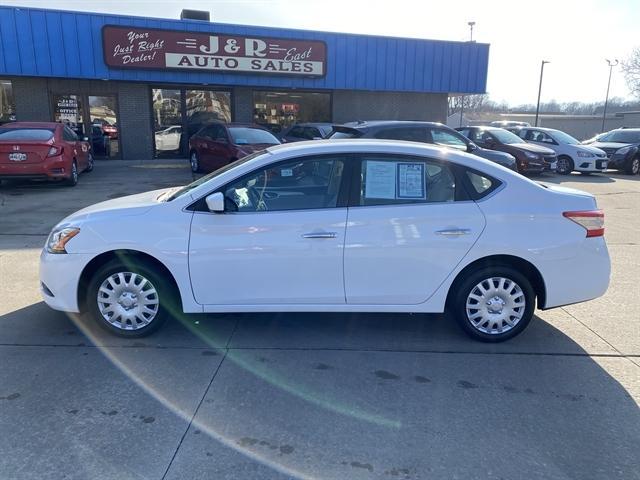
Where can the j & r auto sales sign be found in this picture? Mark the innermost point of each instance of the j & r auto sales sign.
(136, 47)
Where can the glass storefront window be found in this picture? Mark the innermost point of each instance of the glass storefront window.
(68, 109)
(206, 106)
(167, 121)
(104, 126)
(7, 103)
(277, 110)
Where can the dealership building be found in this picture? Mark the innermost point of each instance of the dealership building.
(138, 87)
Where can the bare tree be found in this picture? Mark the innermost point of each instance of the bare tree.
(472, 103)
(631, 69)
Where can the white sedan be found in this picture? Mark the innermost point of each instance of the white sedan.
(572, 155)
(334, 226)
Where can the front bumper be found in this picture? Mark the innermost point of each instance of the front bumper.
(595, 164)
(618, 161)
(59, 279)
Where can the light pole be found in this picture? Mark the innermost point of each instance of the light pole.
(471, 24)
(606, 100)
(540, 90)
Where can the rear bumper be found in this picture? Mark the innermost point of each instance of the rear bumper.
(51, 169)
(590, 270)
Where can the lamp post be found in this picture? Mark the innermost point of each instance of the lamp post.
(471, 24)
(540, 90)
(606, 100)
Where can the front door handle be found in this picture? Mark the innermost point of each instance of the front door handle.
(453, 232)
(319, 235)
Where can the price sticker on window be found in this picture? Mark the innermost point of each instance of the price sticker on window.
(286, 172)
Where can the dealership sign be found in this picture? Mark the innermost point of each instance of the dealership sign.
(137, 47)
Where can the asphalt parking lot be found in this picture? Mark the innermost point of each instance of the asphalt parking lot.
(313, 396)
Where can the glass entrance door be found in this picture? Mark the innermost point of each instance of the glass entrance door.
(104, 126)
(179, 113)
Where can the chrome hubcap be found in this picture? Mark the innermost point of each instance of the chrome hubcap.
(635, 166)
(495, 305)
(74, 171)
(194, 162)
(128, 301)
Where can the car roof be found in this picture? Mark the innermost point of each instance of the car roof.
(388, 123)
(31, 125)
(313, 124)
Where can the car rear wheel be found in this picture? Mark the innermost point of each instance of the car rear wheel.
(494, 304)
(129, 299)
(72, 180)
(194, 160)
(565, 166)
(633, 167)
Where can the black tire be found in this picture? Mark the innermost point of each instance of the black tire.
(72, 181)
(633, 166)
(165, 297)
(565, 165)
(89, 163)
(458, 305)
(194, 161)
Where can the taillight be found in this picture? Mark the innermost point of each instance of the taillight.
(591, 220)
(54, 151)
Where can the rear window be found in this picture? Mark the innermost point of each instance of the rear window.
(31, 134)
(252, 136)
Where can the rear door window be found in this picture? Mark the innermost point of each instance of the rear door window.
(395, 180)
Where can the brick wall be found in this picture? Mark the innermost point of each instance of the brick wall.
(351, 105)
(33, 98)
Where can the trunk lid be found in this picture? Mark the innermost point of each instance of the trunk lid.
(23, 152)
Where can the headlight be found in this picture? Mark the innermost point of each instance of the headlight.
(531, 156)
(626, 150)
(59, 238)
(585, 154)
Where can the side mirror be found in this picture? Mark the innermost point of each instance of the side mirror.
(471, 147)
(215, 202)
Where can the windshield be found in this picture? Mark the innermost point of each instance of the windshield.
(180, 191)
(621, 136)
(32, 134)
(565, 138)
(506, 137)
(252, 136)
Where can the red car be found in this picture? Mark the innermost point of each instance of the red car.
(218, 144)
(43, 151)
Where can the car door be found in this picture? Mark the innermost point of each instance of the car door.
(407, 229)
(280, 240)
(78, 148)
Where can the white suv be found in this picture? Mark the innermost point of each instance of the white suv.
(571, 154)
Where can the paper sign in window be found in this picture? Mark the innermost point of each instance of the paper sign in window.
(411, 181)
(380, 180)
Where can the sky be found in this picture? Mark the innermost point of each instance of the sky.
(575, 36)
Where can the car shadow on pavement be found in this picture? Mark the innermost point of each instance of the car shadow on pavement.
(346, 392)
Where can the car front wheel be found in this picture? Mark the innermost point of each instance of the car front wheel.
(128, 299)
(565, 166)
(633, 168)
(494, 304)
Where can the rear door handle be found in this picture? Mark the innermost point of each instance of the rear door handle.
(319, 235)
(453, 232)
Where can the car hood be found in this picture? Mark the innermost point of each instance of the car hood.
(124, 206)
(615, 145)
(532, 147)
(589, 148)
